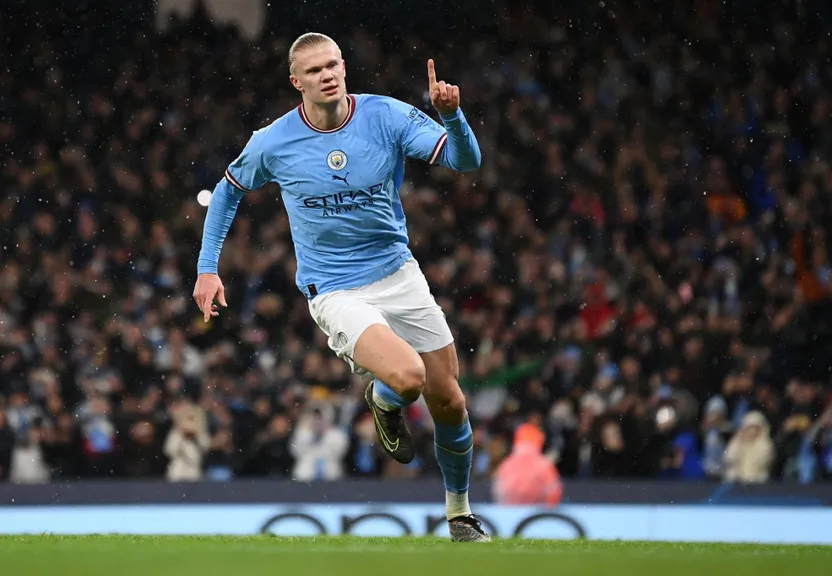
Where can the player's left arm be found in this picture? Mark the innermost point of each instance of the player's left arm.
(460, 150)
(453, 145)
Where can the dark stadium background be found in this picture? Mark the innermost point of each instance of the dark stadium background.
(641, 262)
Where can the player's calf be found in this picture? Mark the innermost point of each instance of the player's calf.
(453, 441)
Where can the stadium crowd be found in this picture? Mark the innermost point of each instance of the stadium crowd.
(640, 268)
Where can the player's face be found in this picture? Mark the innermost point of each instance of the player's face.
(319, 74)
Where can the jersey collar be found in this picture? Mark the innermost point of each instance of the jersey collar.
(350, 112)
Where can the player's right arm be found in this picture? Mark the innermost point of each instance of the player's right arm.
(246, 174)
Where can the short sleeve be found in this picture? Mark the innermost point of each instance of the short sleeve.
(249, 171)
(420, 136)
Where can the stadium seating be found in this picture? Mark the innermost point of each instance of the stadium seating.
(640, 267)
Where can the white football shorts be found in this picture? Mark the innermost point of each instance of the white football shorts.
(401, 301)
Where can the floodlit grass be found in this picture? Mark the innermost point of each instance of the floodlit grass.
(250, 556)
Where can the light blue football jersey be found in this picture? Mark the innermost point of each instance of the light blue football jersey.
(340, 187)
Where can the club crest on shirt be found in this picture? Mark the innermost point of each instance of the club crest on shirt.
(336, 160)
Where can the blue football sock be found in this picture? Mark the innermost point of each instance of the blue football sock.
(453, 445)
(386, 398)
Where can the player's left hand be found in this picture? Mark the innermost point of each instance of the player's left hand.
(443, 96)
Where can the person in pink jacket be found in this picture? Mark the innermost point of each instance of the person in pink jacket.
(526, 476)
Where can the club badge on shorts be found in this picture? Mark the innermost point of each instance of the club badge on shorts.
(336, 160)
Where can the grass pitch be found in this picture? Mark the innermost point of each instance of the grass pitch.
(348, 556)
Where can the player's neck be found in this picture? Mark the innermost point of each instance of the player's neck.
(327, 116)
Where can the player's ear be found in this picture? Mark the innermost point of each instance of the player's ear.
(344, 66)
(295, 82)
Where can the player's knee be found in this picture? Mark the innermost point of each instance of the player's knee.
(456, 401)
(409, 379)
(449, 402)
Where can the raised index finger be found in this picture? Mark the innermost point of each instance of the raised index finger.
(431, 73)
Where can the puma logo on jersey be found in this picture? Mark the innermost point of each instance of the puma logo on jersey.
(342, 178)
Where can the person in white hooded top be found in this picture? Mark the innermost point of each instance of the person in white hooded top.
(750, 451)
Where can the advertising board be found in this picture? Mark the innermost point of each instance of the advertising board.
(765, 524)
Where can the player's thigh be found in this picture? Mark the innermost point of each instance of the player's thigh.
(389, 358)
(344, 316)
(412, 312)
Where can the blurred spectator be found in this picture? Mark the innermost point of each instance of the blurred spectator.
(271, 453)
(824, 445)
(610, 459)
(61, 447)
(221, 462)
(750, 451)
(27, 463)
(715, 436)
(22, 415)
(526, 476)
(7, 441)
(142, 451)
(365, 457)
(98, 436)
(186, 444)
(318, 447)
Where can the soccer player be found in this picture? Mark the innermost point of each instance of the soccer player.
(339, 160)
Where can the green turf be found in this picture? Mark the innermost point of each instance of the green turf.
(230, 556)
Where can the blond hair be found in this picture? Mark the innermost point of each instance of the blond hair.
(307, 41)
